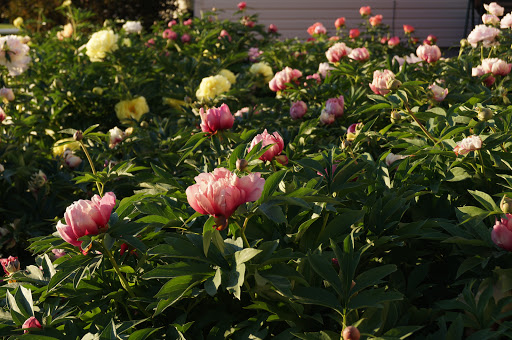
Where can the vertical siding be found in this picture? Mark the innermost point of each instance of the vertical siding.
(443, 18)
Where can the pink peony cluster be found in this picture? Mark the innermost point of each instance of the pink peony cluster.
(221, 192)
(494, 8)
(380, 80)
(298, 109)
(484, 34)
(266, 138)
(438, 92)
(467, 145)
(216, 119)
(169, 34)
(431, 40)
(317, 28)
(86, 217)
(337, 51)
(501, 233)
(334, 108)
(14, 54)
(281, 78)
(359, 54)
(428, 53)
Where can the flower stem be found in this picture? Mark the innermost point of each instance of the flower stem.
(481, 161)
(98, 184)
(246, 242)
(420, 125)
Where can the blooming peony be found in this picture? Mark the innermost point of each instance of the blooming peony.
(262, 69)
(10, 265)
(224, 34)
(266, 138)
(100, 44)
(359, 54)
(438, 92)
(116, 135)
(334, 106)
(483, 33)
(429, 53)
(324, 68)
(506, 21)
(394, 41)
(467, 145)
(31, 322)
(496, 66)
(254, 54)
(353, 131)
(215, 119)
(354, 33)
(242, 5)
(501, 233)
(490, 19)
(213, 86)
(408, 29)
(365, 10)
(66, 32)
(340, 22)
(287, 75)
(86, 217)
(131, 109)
(7, 94)
(337, 51)
(14, 54)
(132, 27)
(185, 38)
(494, 8)
(375, 20)
(391, 158)
(272, 28)
(380, 80)
(169, 34)
(317, 28)
(326, 118)
(298, 109)
(221, 192)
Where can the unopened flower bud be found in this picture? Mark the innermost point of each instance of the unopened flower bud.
(395, 116)
(351, 333)
(282, 159)
(506, 205)
(484, 114)
(10, 264)
(464, 43)
(241, 164)
(393, 84)
(78, 135)
(144, 124)
(345, 144)
(97, 90)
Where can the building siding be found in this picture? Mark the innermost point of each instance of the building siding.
(445, 19)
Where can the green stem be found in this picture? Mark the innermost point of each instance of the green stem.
(98, 184)
(246, 242)
(326, 218)
(502, 145)
(420, 125)
(481, 161)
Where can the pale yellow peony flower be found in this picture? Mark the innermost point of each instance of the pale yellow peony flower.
(62, 144)
(262, 69)
(18, 22)
(211, 87)
(230, 76)
(100, 43)
(131, 109)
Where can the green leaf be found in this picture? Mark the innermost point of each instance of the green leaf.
(484, 199)
(271, 184)
(178, 269)
(273, 212)
(373, 298)
(325, 269)
(236, 155)
(90, 128)
(191, 149)
(235, 279)
(341, 224)
(175, 289)
(142, 334)
(23, 298)
(468, 264)
(317, 296)
(372, 277)
(245, 255)
(208, 229)
(402, 332)
(109, 333)
(213, 283)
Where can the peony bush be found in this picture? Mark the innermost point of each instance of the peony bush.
(206, 179)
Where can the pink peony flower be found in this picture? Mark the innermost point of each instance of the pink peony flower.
(31, 322)
(365, 10)
(225, 34)
(10, 265)
(467, 145)
(334, 106)
(86, 217)
(267, 139)
(2, 114)
(315, 76)
(169, 34)
(438, 92)
(428, 53)
(150, 42)
(243, 111)
(501, 233)
(254, 54)
(375, 20)
(393, 41)
(324, 68)
(216, 119)
(494, 8)
(326, 118)
(408, 29)
(337, 51)
(496, 66)
(484, 34)
(317, 28)
(7, 94)
(172, 23)
(354, 33)
(187, 22)
(73, 161)
(506, 21)
(221, 192)
(431, 40)
(242, 5)
(246, 21)
(272, 28)
(490, 19)
(281, 78)
(340, 22)
(353, 130)
(185, 38)
(58, 253)
(380, 80)
(298, 109)
(391, 158)
(14, 54)
(359, 54)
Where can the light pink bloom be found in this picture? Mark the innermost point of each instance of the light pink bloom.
(359, 54)
(393, 41)
(7, 94)
(281, 78)
(365, 10)
(224, 34)
(490, 19)
(340, 22)
(324, 68)
(506, 21)
(254, 54)
(496, 66)
(354, 33)
(298, 109)
(467, 145)
(335, 106)
(429, 53)
(431, 40)
(242, 5)
(337, 51)
(116, 135)
(375, 20)
(31, 322)
(438, 92)
(216, 119)
(240, 113)
(272, 28)
(326, 118)
(172, 23)
(221, 192)
(501, 233)
(58, 253)
(86, 217)
(477, 71)
(317, 28)
(380, 80)
(266, 138)
(187, 22)
(315, 76)
(412, 59)
(391, 158)
(10, 265)
(73, 161)
(169, 34)
(14, 54)
(484, 34)
(494, 8)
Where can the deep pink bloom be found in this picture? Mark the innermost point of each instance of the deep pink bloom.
(242, 5)
(150, 42)
(31, 322)
(2, 114)
(317, 28)
(221, 192)
(169, 34)
(365, 10)
(339, 22)
(380, 80)
(86, 217)
(281, 78)
(501, 233)
(172, 23)
(298, 109)
(266, 138)
(354, 33)
(187, 22)
(215, 119)
(467, 145)
(408, 29)
(337, 51)
(10, 265)
(429, 53)
(393, 41)
(375, 20)
(334, 106)
(272, 28)
(225, 34)
(185, 38)
(359, 54)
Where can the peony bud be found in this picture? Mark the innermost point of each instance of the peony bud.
(506, 205)
(241, 164)
(10, 264)
(484, 114)
(393, 84)
(78, 135)
(282, 159)
(298, 109)
(7, 94)
(351, 333)
(395, 116)
(31, 322)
